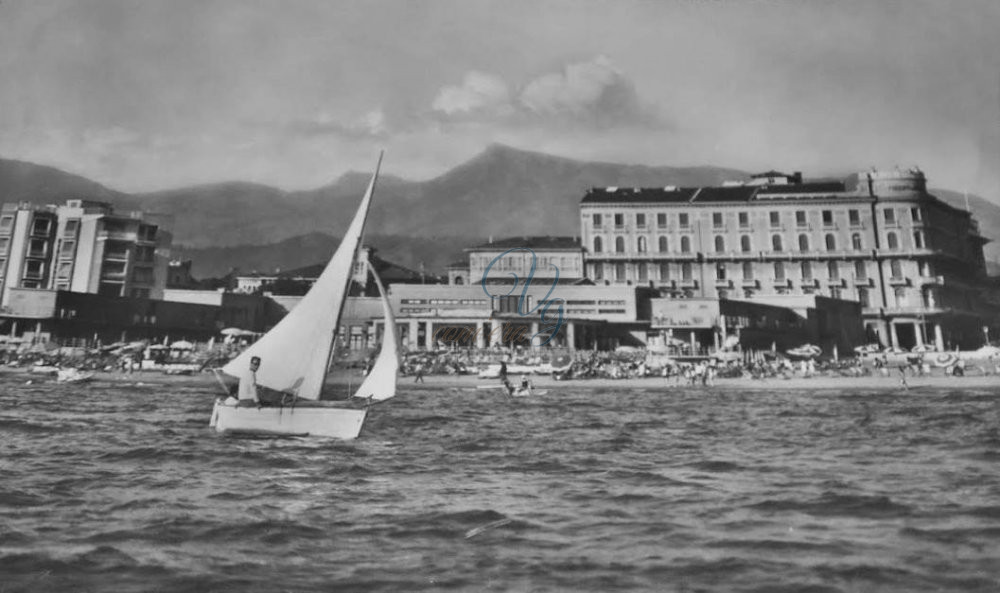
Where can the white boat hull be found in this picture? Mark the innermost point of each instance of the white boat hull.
(303, 420)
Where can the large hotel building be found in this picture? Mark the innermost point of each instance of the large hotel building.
(914, 263)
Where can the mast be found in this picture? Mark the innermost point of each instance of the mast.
(354, 258)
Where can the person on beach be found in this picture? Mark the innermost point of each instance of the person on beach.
(419, 370)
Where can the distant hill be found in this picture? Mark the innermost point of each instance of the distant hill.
(501, 192)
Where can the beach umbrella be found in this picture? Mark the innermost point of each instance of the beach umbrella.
(182, 345)
(945, 359)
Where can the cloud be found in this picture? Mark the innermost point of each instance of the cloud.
(372, 124)
(593, 94)
(479, 94)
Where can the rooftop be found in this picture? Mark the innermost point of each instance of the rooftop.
(565, 243)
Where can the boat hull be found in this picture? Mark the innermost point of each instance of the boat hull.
(334, 422)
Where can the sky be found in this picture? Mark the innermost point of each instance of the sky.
(165, 93)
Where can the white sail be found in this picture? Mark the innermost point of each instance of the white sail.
(380, 383)
(295, 355)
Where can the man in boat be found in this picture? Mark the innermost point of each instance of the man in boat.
(525, 385)
(247, 390)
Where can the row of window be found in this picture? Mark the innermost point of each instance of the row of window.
(743, 218)
(746, 243)
(780, 271)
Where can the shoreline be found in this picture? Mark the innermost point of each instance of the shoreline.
(472, 382)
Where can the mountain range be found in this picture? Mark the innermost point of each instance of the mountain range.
(501, 192)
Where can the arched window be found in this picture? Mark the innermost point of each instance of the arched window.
(641, 244)
(598, 244)
(748, 270)
(745, 243)
(803, 243)
(892, 241)
(459, 280)
(807, 270)
(685, 244)
(833, 270)
(662, 244)
(831, 242)
(779, 271)
(896, 268)
(720, 244)
(776, 243)
(856, 242)
(860, 270)
(620, 244)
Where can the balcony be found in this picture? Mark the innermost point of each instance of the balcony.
(836, 282)
(750, 283)
(899, 281)
(722, 283)
(782, 282)
(690, 283)
(932, 280)
(858, 281)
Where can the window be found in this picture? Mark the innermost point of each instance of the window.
(828, 218)
(745, 243)
(683, 220)
(860, 270)
(37, 248)
(686, 271)
(775, 219)
(854, 217)
(664, 272)
(776, 243)
(800, 217)
(643, 272)
(779, 271)
(34, 268)
(836, 292)
(926, 270)
(661, 219)
(147, 233)
(892, 241)
(902, 298)
(803, 243)
(831, 242)
(863, 297)
(748, 270)
(4, 245)
(620, 244)
(144, 253)
(833, 270)
(41, 226)
(896, 269)
(67, 248)
(597, 221)
(890, 215)
(71, 226)
(619, 220)
(856, 242)
(918, 239)
(685, 244)
(6, 222)
(620, 272)
(720, 244)
(723, 294)
(744, 219)
(640, 220)
(598, 245)
(661, 244)
(640, 244)
(720, 271)
(599, 272)
(717, 219)
(916, 214)
(807, 270)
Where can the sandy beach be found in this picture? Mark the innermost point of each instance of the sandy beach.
(471, 382)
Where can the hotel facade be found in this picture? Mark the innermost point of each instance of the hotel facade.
(914, 263)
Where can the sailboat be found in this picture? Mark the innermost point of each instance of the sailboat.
(295, 356)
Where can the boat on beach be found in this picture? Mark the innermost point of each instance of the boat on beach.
(295, 356)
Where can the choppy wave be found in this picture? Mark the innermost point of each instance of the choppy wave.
(123, 487)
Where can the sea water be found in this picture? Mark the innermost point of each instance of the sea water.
(120, 485)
